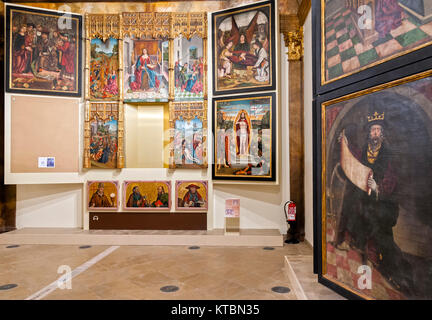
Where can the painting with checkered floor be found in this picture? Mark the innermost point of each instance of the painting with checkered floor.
(353, 42)
(377, 191)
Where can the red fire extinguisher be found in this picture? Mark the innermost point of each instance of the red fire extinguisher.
(290, 214)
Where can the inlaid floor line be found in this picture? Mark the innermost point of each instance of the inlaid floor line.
(86, 265)
(296, 285)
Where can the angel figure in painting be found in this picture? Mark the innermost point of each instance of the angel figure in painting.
(262, 64)
(242, 131)
(244, 52)
(145, 73)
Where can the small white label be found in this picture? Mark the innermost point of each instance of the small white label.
(42, 162)
(46, 162)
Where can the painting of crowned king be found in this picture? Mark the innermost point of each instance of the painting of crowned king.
(377, 156)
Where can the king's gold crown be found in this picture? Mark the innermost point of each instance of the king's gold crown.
(376, 116)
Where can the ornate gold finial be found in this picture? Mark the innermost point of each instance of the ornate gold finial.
(375, 117)
(294, 42)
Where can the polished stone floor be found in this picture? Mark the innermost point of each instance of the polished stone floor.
(139, 272)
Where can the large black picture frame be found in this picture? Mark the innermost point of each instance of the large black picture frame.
(8, 55)
(272, 177)
(272, 29)
(408, 73)
(390, 63)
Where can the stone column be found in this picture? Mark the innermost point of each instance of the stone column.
(293, 36)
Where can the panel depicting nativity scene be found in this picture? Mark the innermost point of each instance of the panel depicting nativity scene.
(188, 124)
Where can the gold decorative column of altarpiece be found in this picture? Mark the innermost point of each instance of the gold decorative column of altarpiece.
(103, 26)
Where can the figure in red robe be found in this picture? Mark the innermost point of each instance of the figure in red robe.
(388, 16)
(192, 198)
(67, 61)
(22, 52)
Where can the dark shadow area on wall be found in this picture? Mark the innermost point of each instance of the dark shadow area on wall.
(7, 192)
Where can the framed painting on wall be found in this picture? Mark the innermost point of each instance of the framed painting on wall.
(191, 195)
(102, 195)
(357, 39)
(244, 45)
(244, 129)
(188, 127)
(146, 70)
(44, 52)
(147, 195)
(374, 190)
(189, 69)
(103, 135)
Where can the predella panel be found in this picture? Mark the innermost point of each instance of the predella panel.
(191, 195)
(102, 195)
(147, 195)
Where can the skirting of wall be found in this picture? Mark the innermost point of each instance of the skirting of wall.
(216, 237)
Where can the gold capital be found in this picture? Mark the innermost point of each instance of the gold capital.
(294, 42)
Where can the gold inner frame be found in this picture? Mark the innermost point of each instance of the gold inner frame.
(324, 81)
(324, 105)
(272, 130)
